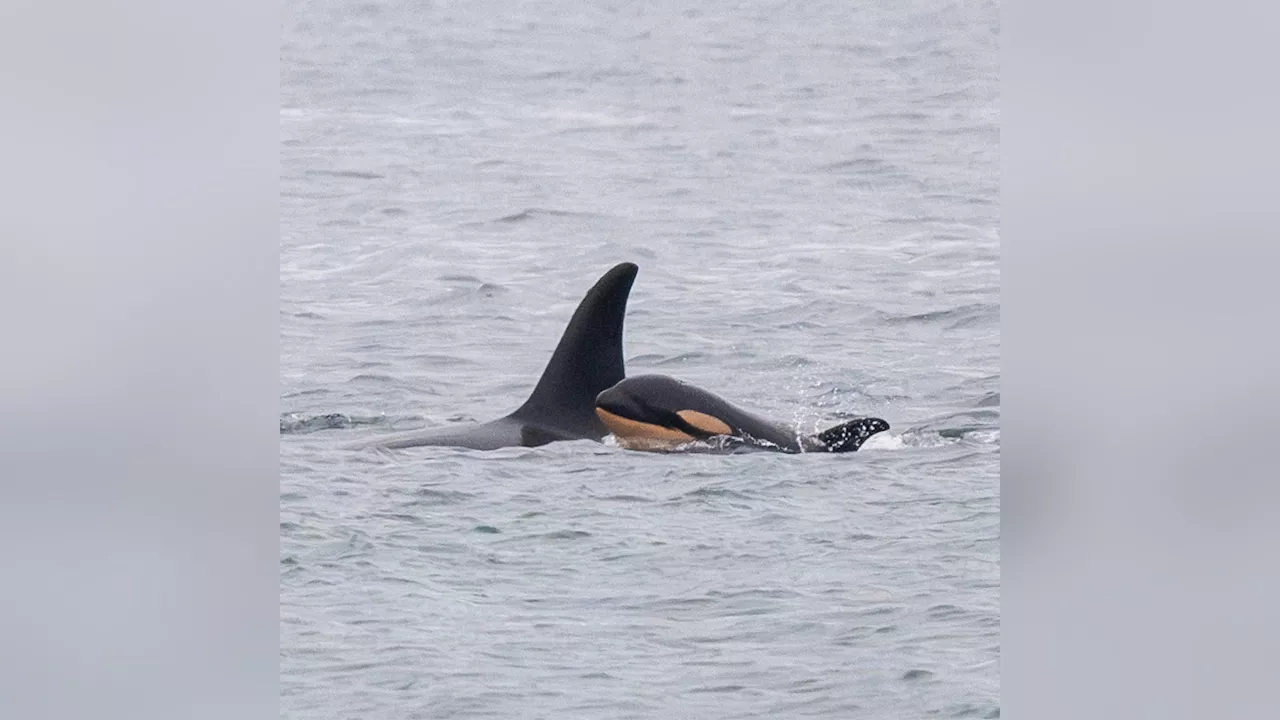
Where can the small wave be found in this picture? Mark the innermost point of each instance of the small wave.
(354, 174)
(680, 359)
(372, 378)
(304, 393)
(624, 498)
(566, 535)
(655, 359)
(575, 122)
(986, 437)
(860, 165)
(299, 424)
(710, 491)
(926, 436)
(953, 318)
(535, 213)
(958, 425)
(430, 497)
(462, 295)
(991, 399)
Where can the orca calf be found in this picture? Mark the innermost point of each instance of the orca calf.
(657, 412)
(587, 361)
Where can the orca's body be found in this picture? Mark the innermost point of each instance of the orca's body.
(656, 412)
(587, 361)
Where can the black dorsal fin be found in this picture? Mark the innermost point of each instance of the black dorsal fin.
(587, 361)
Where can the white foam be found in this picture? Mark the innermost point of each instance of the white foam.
(884, 441)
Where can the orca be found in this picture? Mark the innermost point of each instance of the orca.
(657, 412)
(587, 361)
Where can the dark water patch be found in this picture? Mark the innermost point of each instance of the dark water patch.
(621, 557)
(353, 174)
(565, 535)
(878, 610)
(374, 323)
(863, 165)
(622, 127)
(965, 198)
(809, 685)
(546, 75)
(534, 213)
(950, 318)
(916, 674)
(802, 325)
(372, 379)
(486, 529)
(628, 498)
(991, 399)
(719, 689)
(710, 492)
(989, 314)
(965, 710)
(397, 580)
(434, 497)
(945, 612)
(462, 295)
(398, 517)
(713, 640)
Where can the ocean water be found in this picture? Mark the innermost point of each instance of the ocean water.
(811, 193)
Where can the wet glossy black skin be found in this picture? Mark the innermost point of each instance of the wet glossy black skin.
(656, 399)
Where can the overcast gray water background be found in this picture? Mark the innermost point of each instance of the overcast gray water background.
(811, 193)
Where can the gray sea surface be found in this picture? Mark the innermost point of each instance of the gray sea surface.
(811, 193)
